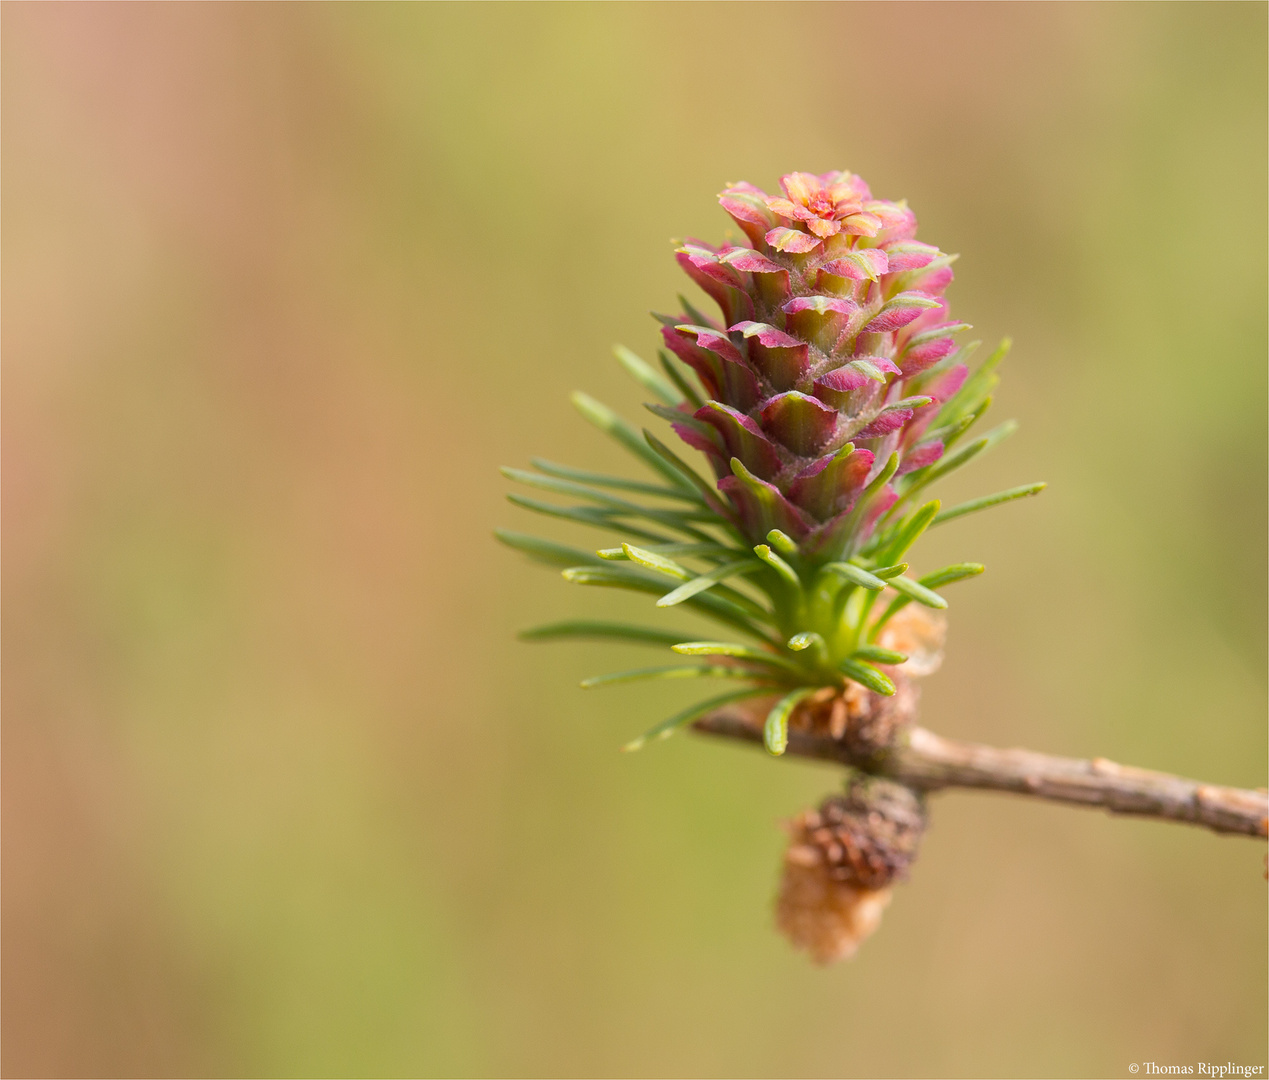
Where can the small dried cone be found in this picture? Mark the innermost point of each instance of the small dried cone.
(841, 862)
(827, 918)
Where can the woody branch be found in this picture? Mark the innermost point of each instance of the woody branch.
(930, 762)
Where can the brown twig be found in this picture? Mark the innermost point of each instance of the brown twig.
(930, 762)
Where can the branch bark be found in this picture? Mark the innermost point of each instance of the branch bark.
(929, 762)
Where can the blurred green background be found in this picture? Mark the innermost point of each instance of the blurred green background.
(284, 285)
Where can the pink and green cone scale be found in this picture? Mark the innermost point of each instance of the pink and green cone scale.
(825, 396)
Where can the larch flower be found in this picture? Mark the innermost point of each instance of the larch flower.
(826, 396)
(821, 369)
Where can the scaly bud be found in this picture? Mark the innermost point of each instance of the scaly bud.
(841, 862)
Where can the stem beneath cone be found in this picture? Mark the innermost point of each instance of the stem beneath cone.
(929, 762)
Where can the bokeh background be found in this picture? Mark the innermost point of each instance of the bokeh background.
(284, 285)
